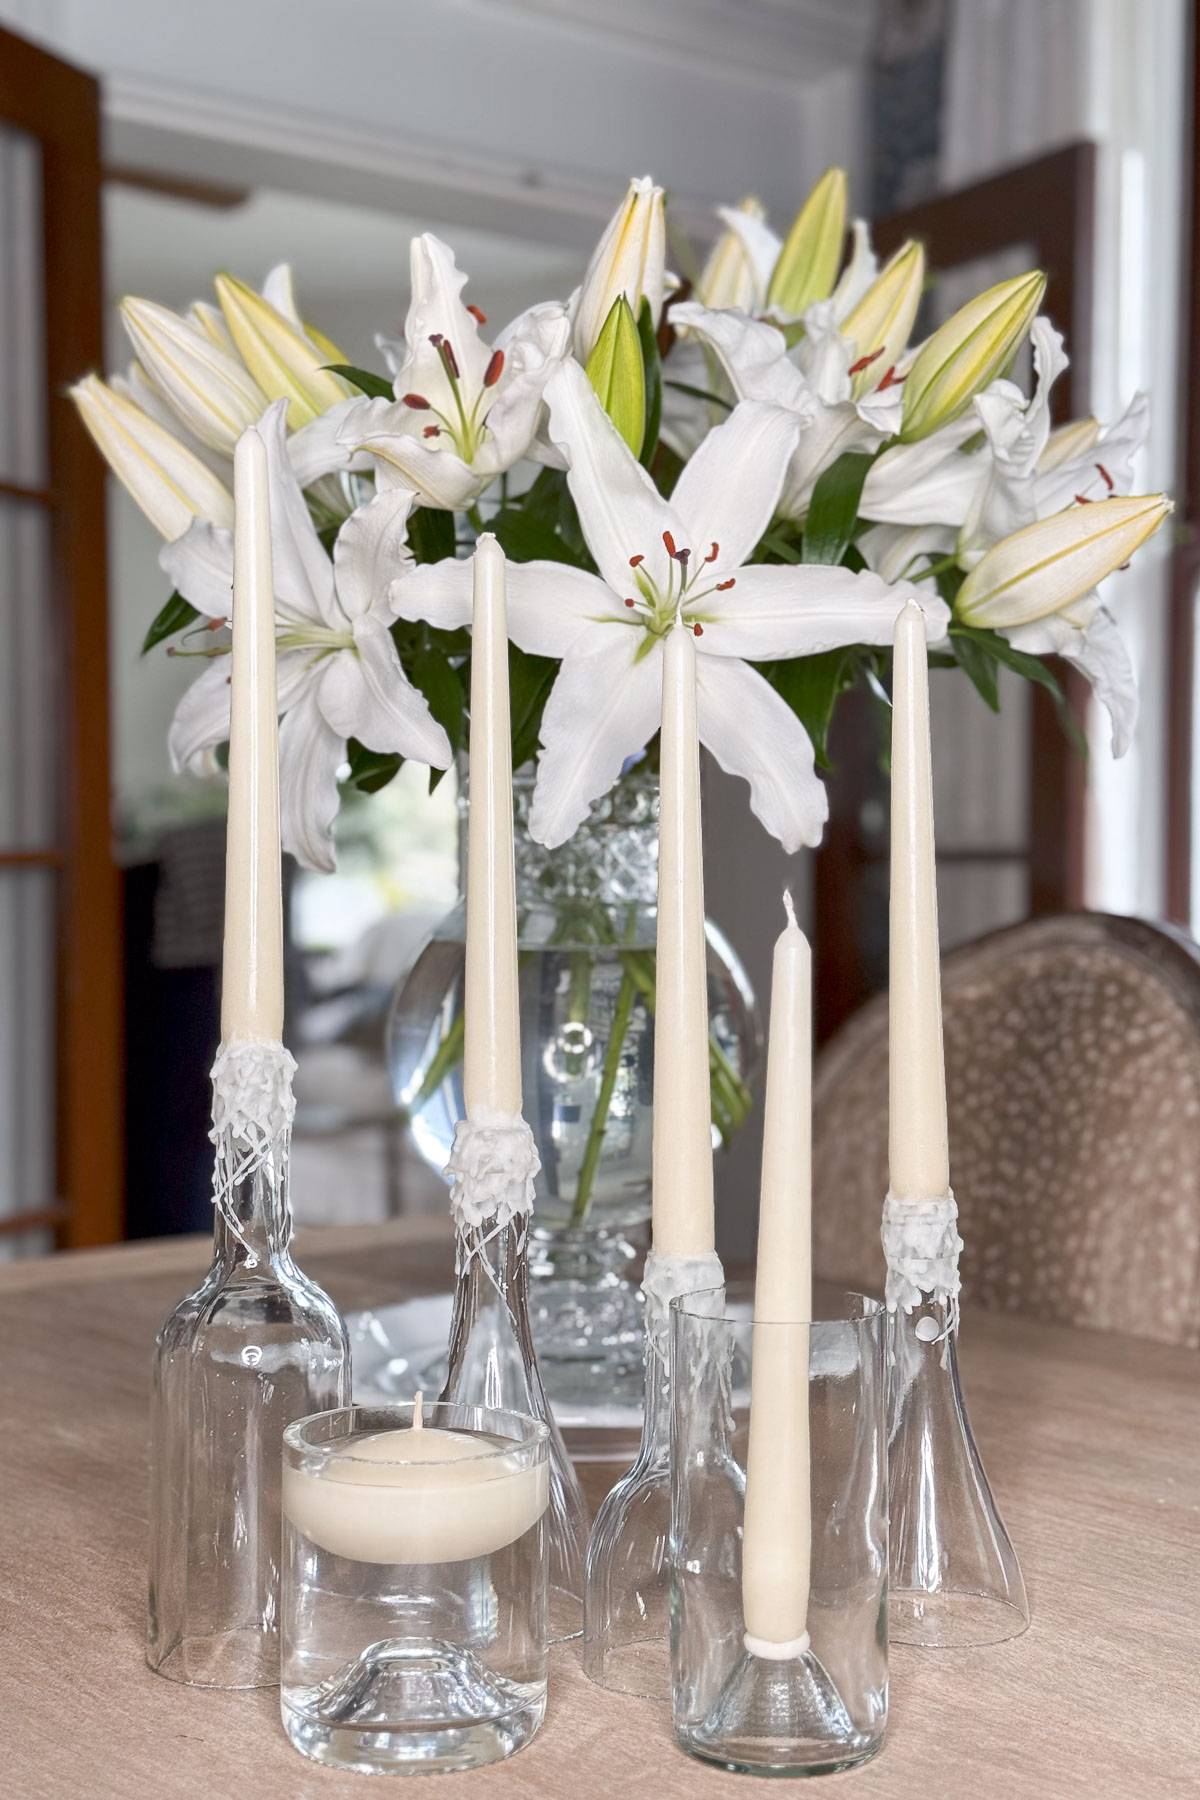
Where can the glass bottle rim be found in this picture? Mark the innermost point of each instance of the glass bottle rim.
(517, 1433)
(710, 1306)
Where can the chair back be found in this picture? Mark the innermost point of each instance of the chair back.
(1073, 1078)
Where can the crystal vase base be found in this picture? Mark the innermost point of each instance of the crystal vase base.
(586, 1317)
(416, 1708)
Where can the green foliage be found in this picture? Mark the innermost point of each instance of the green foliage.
(431, 534)
(812, 685)
(371, 770)
(525, 536)
(441, 683)
(617, 373)
(652, 367)
(376, 387)
(833, 510)
(530, 679)
(981, 655)
(175, 616)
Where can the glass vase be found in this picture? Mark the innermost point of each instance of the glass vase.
(586, 924)
(255, 1346)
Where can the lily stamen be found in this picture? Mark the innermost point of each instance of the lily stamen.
(864, 362)
(479, 317)
(1106, 477)
(494, 369)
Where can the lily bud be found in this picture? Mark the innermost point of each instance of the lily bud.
(629, 260)
(618, 374)
(879, 326)
(281, 357)
(1068, 442)
(170, 484)
(204, 384)
(970, 350)
(1045, 567)
(808, 263)
(728, 278)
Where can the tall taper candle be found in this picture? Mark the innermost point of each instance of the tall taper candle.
(777, 1534)
(682, 1192)
(917, 1149)
(492, 1053)
(252, 979)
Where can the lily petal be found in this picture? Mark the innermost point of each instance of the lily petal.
(755, 734)
(550, 605)
(775, 612)
(620, 509)
(440, 477)
(604, 707)
(891, 550)
(370, 551)
(310, 754)
(303, 572)
(730, 488)
(201, 721)
(1099, 653)
(1114, 452)
(753, 354)
(368, 696)
(931, 482)
(200, 564)
(318, 448)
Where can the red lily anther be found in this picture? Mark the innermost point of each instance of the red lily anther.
(1107, 479)
(635, 562)
(891, 379)
(723, 587)
(713, 553)
(418, 402)
(432, 431)
(698, 630)
(1083, 499)
(864, 362)
(494, 370)
(479, 317)
(669, 541)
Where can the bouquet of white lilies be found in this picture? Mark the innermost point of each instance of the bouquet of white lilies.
(765, 458)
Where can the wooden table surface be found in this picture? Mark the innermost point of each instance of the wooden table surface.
(1092, 1444)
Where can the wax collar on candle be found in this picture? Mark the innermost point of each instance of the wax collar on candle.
(253, 1110)
(493, 1164)
(921, 1246)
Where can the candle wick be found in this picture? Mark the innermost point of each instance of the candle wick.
(417, 1421)
(789, 908)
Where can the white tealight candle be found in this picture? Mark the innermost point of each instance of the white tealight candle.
(492, 1046)
(252, 977)
(777, 1532)
(682, 1191)
(918, 1151)
(417, 1496)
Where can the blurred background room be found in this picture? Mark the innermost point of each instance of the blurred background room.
(143, 148)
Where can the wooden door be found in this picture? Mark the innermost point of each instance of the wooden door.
(60, 1038)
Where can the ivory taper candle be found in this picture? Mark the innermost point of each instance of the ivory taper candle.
(918, 1152)
(416, 1495)
(682, 1192)
(492, 1051)
(777, 1531)
(252, 977)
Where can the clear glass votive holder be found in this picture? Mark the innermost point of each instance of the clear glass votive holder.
(414, 1594)
(775, 1672)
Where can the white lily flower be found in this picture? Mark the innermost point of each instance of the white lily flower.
(339, 674)
(208, 387)
(630, 259)
(738, 266)
(463, 412)
(813, 380)
(170, 484)
(663, 561)
(1097, 649)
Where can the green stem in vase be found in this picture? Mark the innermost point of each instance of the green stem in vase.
(446, 1059)
(626, 995)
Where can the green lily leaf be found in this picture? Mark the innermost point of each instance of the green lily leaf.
(617, 373)
(652, 370)
(371, 770)
(811, 686)
(431, 534)
(378, 387)
(833, 510)
(442, 686)
(530, 679)
(175, 616)
(526, 536)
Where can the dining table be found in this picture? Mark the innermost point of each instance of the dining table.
(1092, 1446)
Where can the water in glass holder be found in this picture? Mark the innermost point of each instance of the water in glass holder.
(818, 1703)
(414, 1586)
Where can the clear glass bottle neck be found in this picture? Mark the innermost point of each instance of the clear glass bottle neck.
(252, 1224)
(655, 1447)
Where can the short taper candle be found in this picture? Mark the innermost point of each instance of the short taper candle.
(492, 1051)
(777, 1534)
(252, 978)
(682, 1190)
(918, 1151)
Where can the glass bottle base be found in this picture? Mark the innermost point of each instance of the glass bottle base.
(246, 1657)
(412, 1707)
(952, 1618)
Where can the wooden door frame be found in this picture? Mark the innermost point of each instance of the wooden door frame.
(59, 107)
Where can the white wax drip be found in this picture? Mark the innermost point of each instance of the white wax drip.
(665, 1279)
(921, 1246)
(253, 1110)
(492, 1166)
